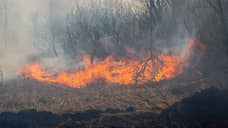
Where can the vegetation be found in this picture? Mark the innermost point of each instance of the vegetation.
(99, 28)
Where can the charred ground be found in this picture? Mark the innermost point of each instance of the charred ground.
(190, 100)
(200, 107)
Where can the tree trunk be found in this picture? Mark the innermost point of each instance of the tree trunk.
(1, 78)
(5, 4)
(223, 21)
(52, 44)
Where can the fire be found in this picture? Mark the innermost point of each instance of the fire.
(121, 70)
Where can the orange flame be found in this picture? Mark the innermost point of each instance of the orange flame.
(113, 69)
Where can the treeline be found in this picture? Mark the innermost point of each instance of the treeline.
(100, 27)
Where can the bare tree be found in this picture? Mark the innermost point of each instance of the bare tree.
(5, 20)
(219, 9)
(154, 8)
(52, 27)
(35, 21)
(1, 77)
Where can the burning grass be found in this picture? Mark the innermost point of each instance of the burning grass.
(132, 69)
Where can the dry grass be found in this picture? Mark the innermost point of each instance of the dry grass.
(21, 94)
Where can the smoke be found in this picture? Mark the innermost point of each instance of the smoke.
(22, 34)
(19, 48)
(13, 55)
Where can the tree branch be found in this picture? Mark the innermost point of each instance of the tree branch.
(213, 6)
